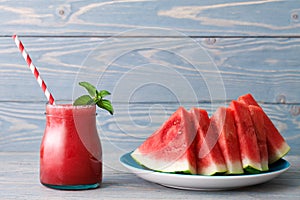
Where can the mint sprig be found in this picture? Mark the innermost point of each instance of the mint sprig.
(94, 97)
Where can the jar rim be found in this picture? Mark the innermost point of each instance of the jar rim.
(67, 108)
(68, 104)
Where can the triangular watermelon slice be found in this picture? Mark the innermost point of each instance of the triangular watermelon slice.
(258, 122)
(277, 146)
(249, 149)
(208, 154)
(171, 148)
(224, 124)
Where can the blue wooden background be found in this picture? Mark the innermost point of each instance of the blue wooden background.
(154, 56)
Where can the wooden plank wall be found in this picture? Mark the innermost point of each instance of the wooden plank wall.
(152, 67)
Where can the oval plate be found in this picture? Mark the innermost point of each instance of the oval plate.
(200, 182)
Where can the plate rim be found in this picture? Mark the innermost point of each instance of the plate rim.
(150, 175)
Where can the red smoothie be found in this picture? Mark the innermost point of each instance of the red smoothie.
(70, 153)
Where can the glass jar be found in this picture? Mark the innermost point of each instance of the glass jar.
(70, 152)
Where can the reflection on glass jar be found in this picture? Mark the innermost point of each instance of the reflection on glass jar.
(70, 153)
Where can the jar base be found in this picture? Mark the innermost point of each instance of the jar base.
(73, 187)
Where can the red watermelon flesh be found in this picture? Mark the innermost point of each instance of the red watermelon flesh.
(249, 149)
(223, 124)
(277, 146)
(171, 148)
(258, 122)
(208, 154)
(248, 99)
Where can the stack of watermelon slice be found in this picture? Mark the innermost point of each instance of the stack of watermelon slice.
(234, 140)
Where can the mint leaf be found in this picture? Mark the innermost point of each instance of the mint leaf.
(103, 93)
(83, 100)
(95, 97)
(89, 87)
(106, 105)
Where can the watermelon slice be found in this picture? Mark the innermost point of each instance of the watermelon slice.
(277, 146)
(223, 123)
(248, 99)
(258, 122)
(249, 149)
(171, 148)
(208, 154)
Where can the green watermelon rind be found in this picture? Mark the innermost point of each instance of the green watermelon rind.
(248, 170)
(188, 172)
(285, 148)
(187, 169)
(217, 172)
(234, 168)
(175, 172)
(252, 170)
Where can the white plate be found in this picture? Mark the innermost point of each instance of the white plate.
(200, 182)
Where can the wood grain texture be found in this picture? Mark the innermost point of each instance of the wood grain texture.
(192, 17)
(20, 180)
(131, 68)
(22, 124)
(154, 65)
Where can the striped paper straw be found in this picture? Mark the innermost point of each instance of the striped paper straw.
(33, 69)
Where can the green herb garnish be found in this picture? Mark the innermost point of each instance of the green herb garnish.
(94, 97)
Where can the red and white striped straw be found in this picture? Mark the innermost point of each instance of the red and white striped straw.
(34, 70)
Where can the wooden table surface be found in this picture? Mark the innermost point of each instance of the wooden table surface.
(19, 170)
(153, 56)
(19, 180)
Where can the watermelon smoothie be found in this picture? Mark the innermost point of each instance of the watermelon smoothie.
(70, 153)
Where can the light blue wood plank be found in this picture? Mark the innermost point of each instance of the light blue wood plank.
(136, 68)
(22, 124)
(19, 175)
(255, 48)
(192, 17)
